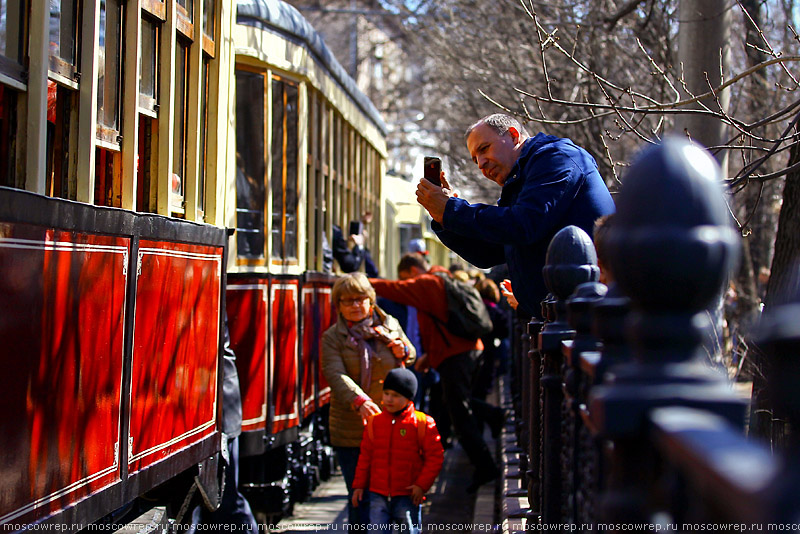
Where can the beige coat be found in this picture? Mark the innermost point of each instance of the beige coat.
(342, 370)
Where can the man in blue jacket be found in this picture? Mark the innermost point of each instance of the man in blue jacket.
(548, 183)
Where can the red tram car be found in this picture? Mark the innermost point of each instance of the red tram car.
(133, 136)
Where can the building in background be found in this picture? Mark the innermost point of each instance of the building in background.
(368, 40)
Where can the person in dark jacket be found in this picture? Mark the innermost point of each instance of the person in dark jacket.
(350, 259)
(494, 343)
(548, 183)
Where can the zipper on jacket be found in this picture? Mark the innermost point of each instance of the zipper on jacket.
(391, 434)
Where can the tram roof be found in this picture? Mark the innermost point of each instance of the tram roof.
(286, 19)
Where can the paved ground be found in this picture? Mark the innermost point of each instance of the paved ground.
(448, 507)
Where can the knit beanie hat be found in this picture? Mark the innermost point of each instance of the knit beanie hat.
(401, 380)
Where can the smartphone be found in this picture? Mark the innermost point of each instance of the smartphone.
(356, 227)
(433, 170)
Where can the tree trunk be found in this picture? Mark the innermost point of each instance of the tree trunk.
(704, 42)
(765, 421)
(761, 202)
(783, 281)
(760, 231)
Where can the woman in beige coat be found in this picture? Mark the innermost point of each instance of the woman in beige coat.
(357, 353)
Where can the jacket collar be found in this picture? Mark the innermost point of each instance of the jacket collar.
(405, 411)
(525, 153)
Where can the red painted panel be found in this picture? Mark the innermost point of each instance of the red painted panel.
(327, 319)
(284, 345)
(248, 311)
(175, 349)
(61, 331)
(310, 353)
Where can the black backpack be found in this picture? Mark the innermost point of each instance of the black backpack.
(466, 313)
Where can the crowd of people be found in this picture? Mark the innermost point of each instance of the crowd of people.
(547, 184)
(391, 352)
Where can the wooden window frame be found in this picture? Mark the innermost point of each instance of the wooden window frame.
(12, 70)
(108, 137)
(177, 202)
(57, 64)
(209, 39)
(201, 195)
(266, 88)
(148, 105)
(15, 71)
(184, 22)
(281, 261)
(156, 8)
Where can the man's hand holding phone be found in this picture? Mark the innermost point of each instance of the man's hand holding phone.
(433, 170)
(434, 194)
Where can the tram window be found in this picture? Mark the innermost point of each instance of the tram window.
(64, 29)
(179, 129)
(59, 119)
(186, 8)
(110, 66)
(336, 171)
(250, 164)
(12, 37)
(106, 189)
(145, 192)
(148, 75)
(284, 169)
(208, 18)
(201, 183)
(8, 136)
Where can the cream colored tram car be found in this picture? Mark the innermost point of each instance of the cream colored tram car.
(307, 154)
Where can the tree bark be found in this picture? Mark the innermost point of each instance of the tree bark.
(765, 420)
(704, 42)
(783, 283)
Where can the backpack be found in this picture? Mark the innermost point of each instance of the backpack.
(420, 421)
(466, 313)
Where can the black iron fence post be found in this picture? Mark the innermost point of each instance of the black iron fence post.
(519, 345)
(608, 317)
(571, 260)
(575, 451)
(523, 430)
(532, 421)
(672, 247)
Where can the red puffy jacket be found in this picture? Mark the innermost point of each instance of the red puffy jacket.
(391, 462)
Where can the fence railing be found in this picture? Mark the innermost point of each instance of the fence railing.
(624, 418)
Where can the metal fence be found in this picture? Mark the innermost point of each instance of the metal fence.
(625, 421)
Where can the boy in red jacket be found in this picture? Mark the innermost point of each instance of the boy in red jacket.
(401, 456)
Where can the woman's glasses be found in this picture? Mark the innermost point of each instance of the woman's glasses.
(354, 300)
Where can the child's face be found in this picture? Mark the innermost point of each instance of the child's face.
(393, 401)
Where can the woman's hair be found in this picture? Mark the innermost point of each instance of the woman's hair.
(488, 290)
(476, 275)
(352, 284)
(454, 267)
(461, 276)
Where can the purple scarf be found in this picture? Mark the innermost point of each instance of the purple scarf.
(360, 335)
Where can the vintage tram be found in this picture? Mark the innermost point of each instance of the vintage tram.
(305, 134)
(163, 162)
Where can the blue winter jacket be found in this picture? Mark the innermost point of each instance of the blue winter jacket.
(553, 184)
